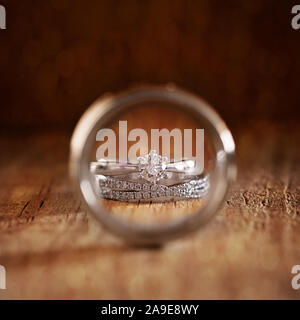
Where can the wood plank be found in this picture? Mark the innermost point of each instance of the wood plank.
(52, 248)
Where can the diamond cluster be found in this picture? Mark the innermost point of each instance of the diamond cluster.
(152, 167)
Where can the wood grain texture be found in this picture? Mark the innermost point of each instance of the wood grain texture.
(52, 248)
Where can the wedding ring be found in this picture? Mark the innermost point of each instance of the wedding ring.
(132, 191)
(213, 187)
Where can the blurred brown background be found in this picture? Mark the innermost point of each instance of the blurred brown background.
(57, 56)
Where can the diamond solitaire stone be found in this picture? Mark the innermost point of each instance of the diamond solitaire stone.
(152, 166)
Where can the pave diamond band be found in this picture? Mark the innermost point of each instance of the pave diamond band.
(130, 191)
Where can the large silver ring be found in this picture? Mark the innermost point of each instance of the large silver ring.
(104, 110)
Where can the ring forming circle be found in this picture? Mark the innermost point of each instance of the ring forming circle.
(105, 109)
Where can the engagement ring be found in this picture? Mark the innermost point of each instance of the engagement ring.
(153, 178)
(151, 167)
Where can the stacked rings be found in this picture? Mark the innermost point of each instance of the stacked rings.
(153, 178)
(132, 191)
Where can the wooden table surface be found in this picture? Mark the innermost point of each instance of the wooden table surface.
(52, 249)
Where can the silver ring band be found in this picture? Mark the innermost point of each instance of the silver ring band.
(132, 191)
(106, 109)
(151, 167)
(171, 179)
(109, 167)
